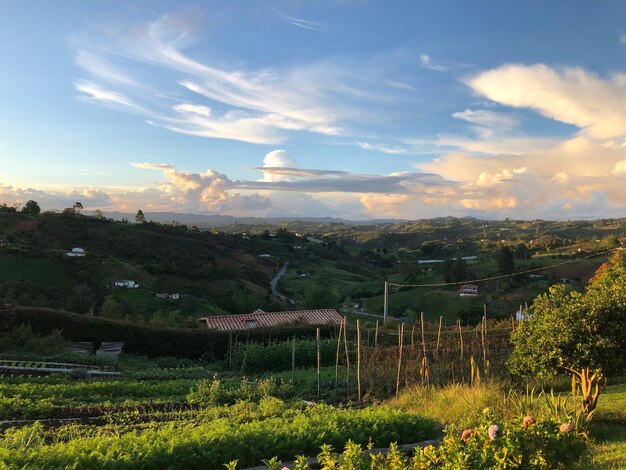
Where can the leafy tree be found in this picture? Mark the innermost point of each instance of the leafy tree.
(504, 260)
(78, 206)
(110, 307)
(139, 217)
(521, 251)
(99, 214)
(31, 208)
(319, 297)
(575, 330)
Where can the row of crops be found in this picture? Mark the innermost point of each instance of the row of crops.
(208, 436)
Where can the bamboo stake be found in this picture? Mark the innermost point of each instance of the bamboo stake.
(358, 359)
(425, 360)
(230, 350)
(345, 342)
(460, 338)
(293, 359)
(423, 340)
(337, 359)
(412, 340)
(376, 336)
(400, 342)
(439, 332)
(317, 338)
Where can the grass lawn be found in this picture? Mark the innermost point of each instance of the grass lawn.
(49, 271)
(608, 449)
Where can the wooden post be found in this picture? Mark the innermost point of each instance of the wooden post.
(439, 333)
(423, 340)
(337, 359)
(460, 339)
(358, 359)
(412, 339)
(425, 374)
(345, 342)
(230, 350)
(461, 346)
(400, 342)
(293, 360)
(376, 336)
(317, 337)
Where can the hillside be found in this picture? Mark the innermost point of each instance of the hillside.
(212, 273)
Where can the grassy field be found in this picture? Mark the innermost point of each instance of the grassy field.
(49, 271)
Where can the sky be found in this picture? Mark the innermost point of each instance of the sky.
(355, 109)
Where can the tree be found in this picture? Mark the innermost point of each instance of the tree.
(110, 307)
(31, 208)
(78, 206)
(99, 214)
(521, 251)
(139, 217)
(575, 331)
(504, 260)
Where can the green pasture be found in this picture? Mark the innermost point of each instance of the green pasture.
(49, 271)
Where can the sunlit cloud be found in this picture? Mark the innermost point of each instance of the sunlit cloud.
(302, 23)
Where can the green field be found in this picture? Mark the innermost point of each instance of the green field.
(48, 271)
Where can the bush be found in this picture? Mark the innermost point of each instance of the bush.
(149, 340)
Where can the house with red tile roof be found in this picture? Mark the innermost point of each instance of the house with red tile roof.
(261, 319)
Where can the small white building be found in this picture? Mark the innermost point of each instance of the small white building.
(76, 252)
(168, 296)
(469, 290)
(523, 316)
(265, 255)
(127, 284)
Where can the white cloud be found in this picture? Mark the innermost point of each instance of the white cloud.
(277, 159)
(622, 38)
(570, 95)
(427, 62)
(302, 23)
(262, 105)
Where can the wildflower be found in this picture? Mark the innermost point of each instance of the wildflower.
(486, 411)
(466, 434)
(566, 427)
(528, 420)
(493, 431)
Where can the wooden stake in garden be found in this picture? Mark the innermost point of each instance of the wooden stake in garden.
(345, 343)
(439, 333)
(376, 336)
(425, 375)
(293, 359)
(461, 347)
(400, 343)
(230, 350)
(358, 360)
(412, 340)
(317, 338)
(337, 359)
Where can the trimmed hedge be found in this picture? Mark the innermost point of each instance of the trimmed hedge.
(148, 340)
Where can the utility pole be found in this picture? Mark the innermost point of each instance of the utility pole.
(385, 302)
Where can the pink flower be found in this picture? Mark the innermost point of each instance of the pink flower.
(566, 427)
(466, 434)
(528, 420)
(493, 431)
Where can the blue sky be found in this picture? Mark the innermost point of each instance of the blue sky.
(357, 109)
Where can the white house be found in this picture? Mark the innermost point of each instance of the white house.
(469, 290)
(127, 284)
(76, 252)
(522, 316)
(265, 255)
(168, 296)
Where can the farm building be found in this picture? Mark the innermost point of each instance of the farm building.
(261, 319)
(126, 283)
(168, 295)
(468, 290)
(76, 252)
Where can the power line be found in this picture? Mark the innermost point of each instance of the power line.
(503, 276)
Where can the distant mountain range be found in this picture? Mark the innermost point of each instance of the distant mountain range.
(215, 220)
